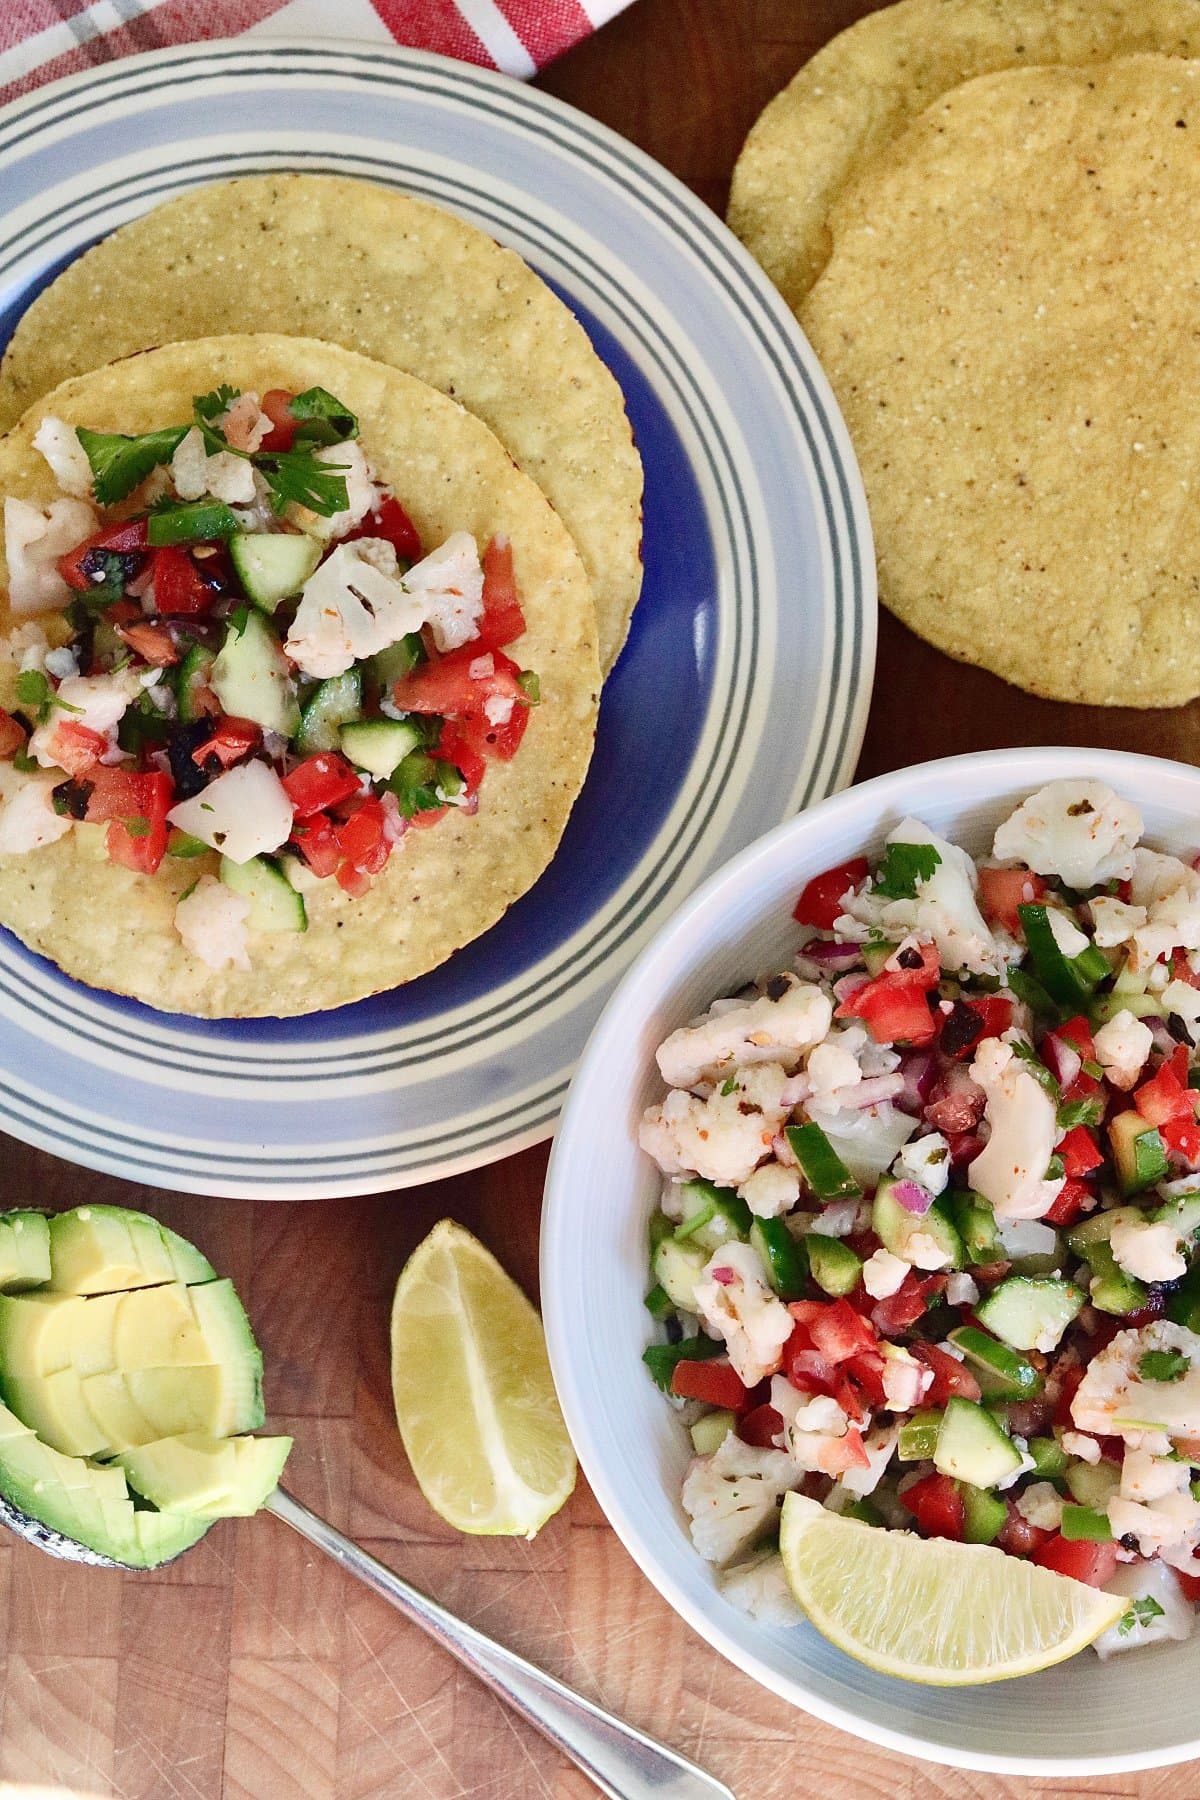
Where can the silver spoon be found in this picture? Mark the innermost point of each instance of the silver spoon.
(623, 1762)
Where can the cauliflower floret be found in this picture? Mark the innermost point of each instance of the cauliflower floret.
(33, 542)
(354, 605)
(1147, 1249)
(760, 1588)
(926, 1160)
(831, 1068)
(211, 920)
(905, 1380)
(1174, 1519)
(1041, 1505)
(1151, 1478)
(449, 582)
(883, 1274)
(962, 1290)
(1009, 1171)
(724, 1137)
(1077, 1443)
(1170, 893)
(736, 1304)
(1172, 1616)
(1078, 830)
(97, 702)
(1112, 1400)
(778, 1027)
(771, 1190)
(27, 818)
(59, 443)
(1122, 1046)
(732, 1497)
(943, 909)
(1113, 921)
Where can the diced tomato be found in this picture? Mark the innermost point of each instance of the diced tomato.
(1079, 1151)
(1077, 1031)
(181, 587)
(421, 821)
(821, 901)
(714, 1382)
(231, 740)
(846, 1452)
(834, 1327)
(317, 844)
(1086, 1087)
(1001, 891)
(76, 747)
(860, 1385)
(390, 522)
(1074, 1199)
(1079, 1558)
(501, 741)
(457, 685)
(895, 1312)
(1068, 1381)
(1166, 1095)
(320, 782)
(1018, 1536)
(152, 642)
(503, 621)
(1190, 1585)
(136, 808)
(950, 1377)
(1182, 970)
(453, 748)
(970, 1021)
(12, 735)
(936, 1503)
(894, 1005)
(1183, 1137)
(277, 404)
(760, 1427)
(118, 540)
(362, 840)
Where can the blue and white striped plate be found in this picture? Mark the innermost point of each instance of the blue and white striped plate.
(740, 697)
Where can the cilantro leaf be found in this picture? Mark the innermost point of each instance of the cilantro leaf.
(295, 477)
(1080, 1112)
(210, 406)
(1164, 1365)
(195, 521)
(660, 1359)
(323, 418)
(107, 572)
(1140, 1612)
(1036, 1067)
(118, 462)
(728, 1086)
(902, 867)
(35, 692)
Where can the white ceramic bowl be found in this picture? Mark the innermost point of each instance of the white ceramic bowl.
(1083, 1717)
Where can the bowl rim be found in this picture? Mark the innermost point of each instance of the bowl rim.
(1035, 764)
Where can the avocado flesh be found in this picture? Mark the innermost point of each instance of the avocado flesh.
(105, 1249)
(24, 1251)
(207, 1477)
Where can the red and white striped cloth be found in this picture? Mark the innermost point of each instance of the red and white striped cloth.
(43, 39)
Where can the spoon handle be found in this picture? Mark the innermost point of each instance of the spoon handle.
(623, 1762)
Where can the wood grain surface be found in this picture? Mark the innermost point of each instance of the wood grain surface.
(253, 1668)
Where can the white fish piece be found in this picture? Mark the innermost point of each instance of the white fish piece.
(59, 443)
(243, 813)
(211, 920)
(34, 539)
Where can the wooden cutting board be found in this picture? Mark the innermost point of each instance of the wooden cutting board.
(253, 1668)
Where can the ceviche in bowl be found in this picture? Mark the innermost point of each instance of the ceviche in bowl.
(872, 1260)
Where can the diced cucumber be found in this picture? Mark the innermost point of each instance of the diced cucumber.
(250, 677)
(192, 680)
(781, 1256)
(975, 1223)
(1138, 1152)
(1030, 1312)
(1049, 1458)
(712, 1216)
(984, 1514)
(273, 565)
(301, 877)
(334, 704)
(1086, 1523)
(897, 1228)
(1110, 1289)
(820, 1164)
(377, 745)
(834, 1266)
(1069, 980)
(1000, 1372)
(677, 1269)
(1142, 1006)
(918, 1436)
(1183, 1307)
(389, 666)
(659, 1227)
(710, 1432)
(1032, 1246)
(274, 903)
(1093, 1484)
(659, 1303)
(1183, 1212)
(972, 1447)
(876, 955)
(1097, 1228)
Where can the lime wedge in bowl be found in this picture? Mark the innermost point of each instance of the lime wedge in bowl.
(929, 1610)
(474, 1396)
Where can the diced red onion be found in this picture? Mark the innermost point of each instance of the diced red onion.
(829, 954)
(795, 1090)
(783, 1150)
(964, 1148)
(1162, 1037)
(849, 985)
(912, 1196)
(1061, 1058)
(916, 1070)
(726, 1277)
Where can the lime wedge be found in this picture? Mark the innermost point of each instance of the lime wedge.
(475, 1400)
(929, 1610)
